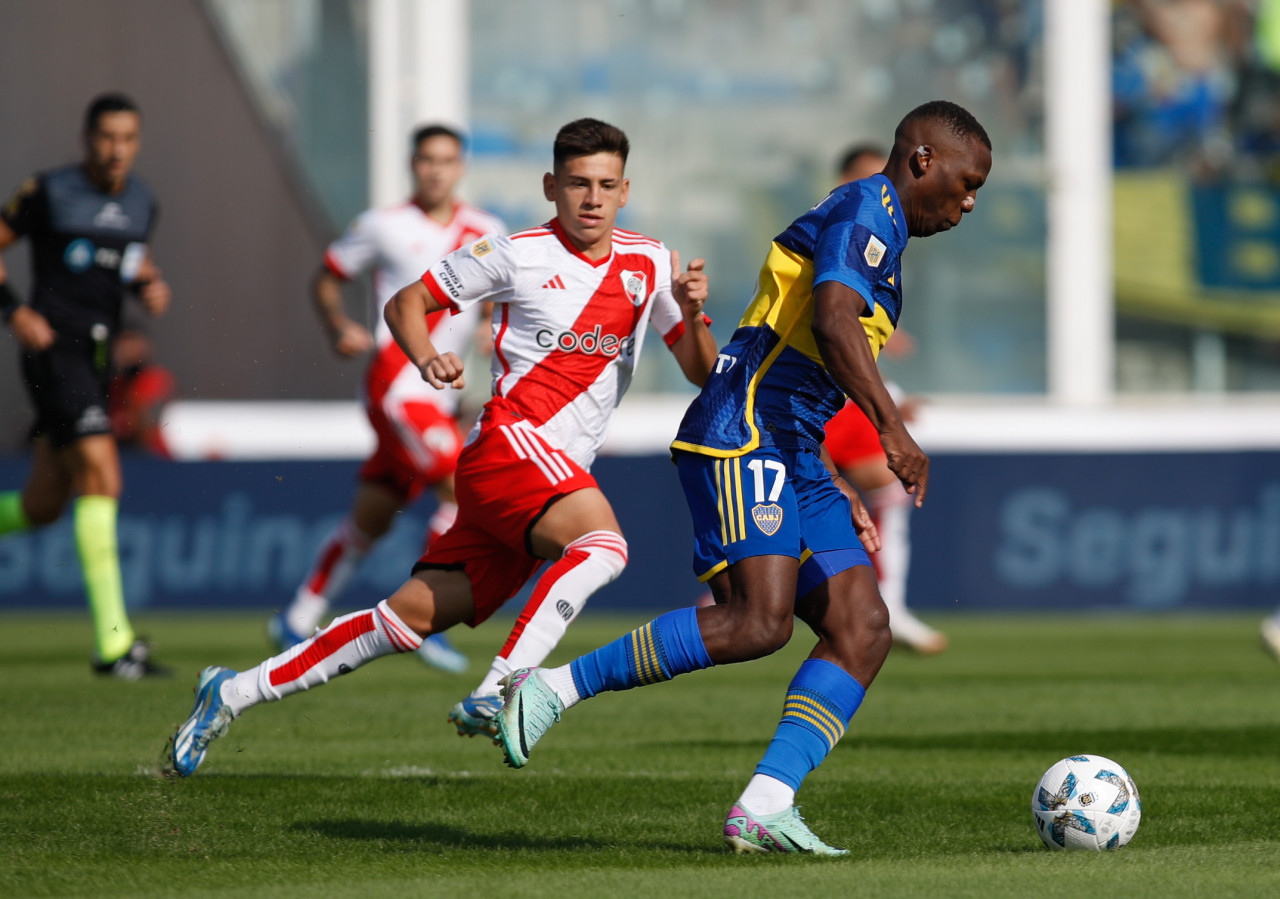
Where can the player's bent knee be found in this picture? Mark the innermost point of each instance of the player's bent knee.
(759, 635)
(876, 617)
(433, 600)
(43, 508)
(867, 621)
(42, 516)
(605, 548)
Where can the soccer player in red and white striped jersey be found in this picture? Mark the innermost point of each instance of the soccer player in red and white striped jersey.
(418, 439)
(572, 300)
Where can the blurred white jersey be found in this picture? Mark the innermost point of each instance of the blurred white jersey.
(397, 243)
(567, 330)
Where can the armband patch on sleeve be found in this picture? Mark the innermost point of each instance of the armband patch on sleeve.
(482, 248)
(874, 251)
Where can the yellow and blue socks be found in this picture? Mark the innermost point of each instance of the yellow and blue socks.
(12, 516)
(821, 700)
(669, 645)
(95, 532)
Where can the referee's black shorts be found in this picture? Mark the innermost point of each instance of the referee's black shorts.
(68, 386)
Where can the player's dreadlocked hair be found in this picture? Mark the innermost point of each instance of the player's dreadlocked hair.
(107, 103)
(586, 137)
(955, 118)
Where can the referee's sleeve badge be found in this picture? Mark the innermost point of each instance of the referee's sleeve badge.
(27, 188)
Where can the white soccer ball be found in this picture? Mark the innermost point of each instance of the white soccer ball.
(1086, 802)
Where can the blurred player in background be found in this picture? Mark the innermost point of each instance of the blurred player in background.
(139, 390)
(418, 440)
(573, 299)
(855, 449)
(88, 225)
(778, 533)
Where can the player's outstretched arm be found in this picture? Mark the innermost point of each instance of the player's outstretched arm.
(842, 341)
(406, 316)
(695, 350)
(349, 337)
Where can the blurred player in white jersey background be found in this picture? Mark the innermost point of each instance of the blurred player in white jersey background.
(418, 440)
(572, 301)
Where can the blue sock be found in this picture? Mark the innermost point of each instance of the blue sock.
(668, 645)
(820, 701)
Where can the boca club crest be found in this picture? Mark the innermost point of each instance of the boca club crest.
(767, 518)
(633, 285)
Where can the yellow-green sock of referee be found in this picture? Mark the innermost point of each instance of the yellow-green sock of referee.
(95, 527)
(12, 516)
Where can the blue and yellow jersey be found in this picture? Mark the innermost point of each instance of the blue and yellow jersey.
(769, 385)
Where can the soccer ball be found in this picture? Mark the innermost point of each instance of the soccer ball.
(1086, 802)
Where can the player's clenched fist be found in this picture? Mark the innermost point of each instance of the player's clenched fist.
(443, 369)
(32, 329)
(155, 296)
(690, 288)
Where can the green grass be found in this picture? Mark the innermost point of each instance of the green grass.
(360, 788)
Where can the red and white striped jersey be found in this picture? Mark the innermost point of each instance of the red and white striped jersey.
(567, 330)
(397, 243)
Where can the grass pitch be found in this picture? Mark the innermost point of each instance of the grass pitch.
(360, 788)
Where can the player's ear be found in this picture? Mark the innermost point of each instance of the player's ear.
(624, 193)
(549, 186)
(921, 159)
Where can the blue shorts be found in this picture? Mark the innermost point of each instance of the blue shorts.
(769, 502)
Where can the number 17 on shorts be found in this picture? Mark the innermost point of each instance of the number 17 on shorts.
(742, 506)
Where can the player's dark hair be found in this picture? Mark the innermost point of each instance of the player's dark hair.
(854, 152)
(586, 137)
(107, 103)
(426, 132)
(953, 117)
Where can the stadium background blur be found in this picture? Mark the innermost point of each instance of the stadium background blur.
(266, 130)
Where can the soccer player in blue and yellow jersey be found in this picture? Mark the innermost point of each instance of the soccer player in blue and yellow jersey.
(778, 534)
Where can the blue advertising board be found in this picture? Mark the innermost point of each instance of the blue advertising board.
(1122, 530)
(999, 532)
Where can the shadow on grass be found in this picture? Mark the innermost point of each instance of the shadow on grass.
(1230, 742)
(444, 836)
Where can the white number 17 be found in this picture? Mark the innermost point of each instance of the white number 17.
(757, 467)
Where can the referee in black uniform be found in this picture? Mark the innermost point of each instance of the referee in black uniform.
(88, 226)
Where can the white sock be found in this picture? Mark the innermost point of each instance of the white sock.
(335, 565)
(497, 671)
(561, 681)
(346, 644)
(891, 510)
(587, 564)
(766, 795)
(306, 612)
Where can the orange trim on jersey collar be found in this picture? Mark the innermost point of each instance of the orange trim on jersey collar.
(558, 230)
